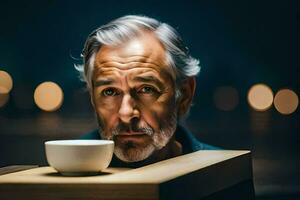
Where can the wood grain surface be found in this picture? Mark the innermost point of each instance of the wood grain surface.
(15, 168)
(191, 176)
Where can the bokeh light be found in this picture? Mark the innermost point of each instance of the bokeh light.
(260, 97)
(4, 97)
(286, 101)
(6, 82)
(226, 98)
(48, 96)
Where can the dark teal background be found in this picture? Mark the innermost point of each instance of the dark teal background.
(239, 43)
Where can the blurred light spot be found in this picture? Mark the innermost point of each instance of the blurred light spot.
(226, 98)
(286, 101)
(260, 97)
(6, 82)
(4, 97)
(48, 96)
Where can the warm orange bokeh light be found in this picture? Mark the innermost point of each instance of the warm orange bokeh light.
(6, 82)
(260, 97)
(226, 98)
(286, 101)
(48, 96)
(4, 97)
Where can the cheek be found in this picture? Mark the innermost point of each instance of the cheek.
(158, 114)
(107, 112)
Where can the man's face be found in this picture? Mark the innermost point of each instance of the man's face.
(134, 97)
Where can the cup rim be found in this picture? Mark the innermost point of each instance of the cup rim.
(79, 142)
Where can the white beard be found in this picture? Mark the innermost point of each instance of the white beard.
(160, 140)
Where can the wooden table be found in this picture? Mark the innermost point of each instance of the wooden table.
(201, 174)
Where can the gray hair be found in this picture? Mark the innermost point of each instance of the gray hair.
(123, 29)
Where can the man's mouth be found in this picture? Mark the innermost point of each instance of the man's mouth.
(131, 133)
(132, 136)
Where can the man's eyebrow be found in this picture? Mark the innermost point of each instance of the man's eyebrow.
(101, 82)
(149, 79)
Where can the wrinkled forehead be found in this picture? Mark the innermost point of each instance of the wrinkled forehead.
(144, 51)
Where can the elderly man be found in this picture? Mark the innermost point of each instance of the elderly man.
(141, 80)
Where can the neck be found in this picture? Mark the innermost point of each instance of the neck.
(172, 149)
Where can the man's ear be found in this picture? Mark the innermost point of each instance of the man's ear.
(187, 93)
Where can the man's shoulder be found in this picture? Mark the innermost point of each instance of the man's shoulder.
(190, 142)
(92, 135)
(203, 146)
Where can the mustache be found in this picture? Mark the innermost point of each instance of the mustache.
(132, 126)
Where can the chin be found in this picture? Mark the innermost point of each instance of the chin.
(134, 154)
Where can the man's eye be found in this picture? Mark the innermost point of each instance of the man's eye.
(110, 92)
(147, 90)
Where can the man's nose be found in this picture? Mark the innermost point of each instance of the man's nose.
(128, 109)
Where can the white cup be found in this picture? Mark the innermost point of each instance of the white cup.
(76, 157)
